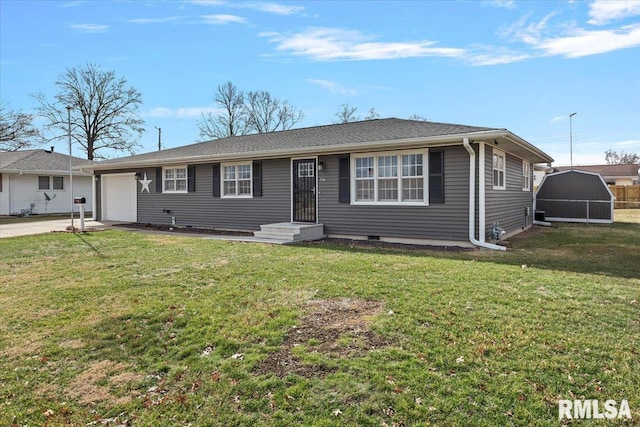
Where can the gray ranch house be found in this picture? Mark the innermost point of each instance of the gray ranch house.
(387, 179)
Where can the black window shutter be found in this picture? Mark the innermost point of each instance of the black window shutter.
(344, 180)
(216, 180)
(257, 179)
(436, 176)
(191, 179)
(158, 180)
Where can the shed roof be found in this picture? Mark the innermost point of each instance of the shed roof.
(329, 139)
(574, 185)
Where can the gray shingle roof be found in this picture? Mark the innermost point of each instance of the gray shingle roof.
(385, 133)
(33, 161)
(318, 136)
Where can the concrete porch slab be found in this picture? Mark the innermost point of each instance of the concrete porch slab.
(289, 232)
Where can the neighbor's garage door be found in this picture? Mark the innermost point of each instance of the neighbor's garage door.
(119, 198)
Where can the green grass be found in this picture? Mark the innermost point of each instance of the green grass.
(4, 219)
(115, 326)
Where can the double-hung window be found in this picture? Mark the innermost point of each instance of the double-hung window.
(390, 178)
(526, 176)
(50, 182)
(174, 180)
(236, 180)
(499, 170)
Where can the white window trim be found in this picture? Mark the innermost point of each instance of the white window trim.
(186, 189)
(504, 169)
(375, 155)
(236, 196)
(526, 172)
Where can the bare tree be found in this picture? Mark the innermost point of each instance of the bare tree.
(231, 120)
(288, 115)
(614, 158)
(16, 130)
(103, 110)
(347, 114)
(418, 117)
(241, 114)
(372, 115)
(267, 114)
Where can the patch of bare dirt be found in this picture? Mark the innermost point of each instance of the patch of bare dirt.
(88, 386)
(338, 327)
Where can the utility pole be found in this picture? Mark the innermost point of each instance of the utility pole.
(159, 138)
(73, 230)
(571, 139)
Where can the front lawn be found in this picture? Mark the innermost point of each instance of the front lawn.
(121, 327)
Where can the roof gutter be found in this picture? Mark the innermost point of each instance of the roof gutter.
(41, 172)
(472, 200)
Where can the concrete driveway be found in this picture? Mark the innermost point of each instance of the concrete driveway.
(39, 227)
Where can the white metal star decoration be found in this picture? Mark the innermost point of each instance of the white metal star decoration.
(145, 184)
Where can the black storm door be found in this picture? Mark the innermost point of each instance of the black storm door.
(304, 190)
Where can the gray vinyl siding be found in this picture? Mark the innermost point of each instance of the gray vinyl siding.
(507, 206)
(201, 209)
(439, 221)
(574, 186)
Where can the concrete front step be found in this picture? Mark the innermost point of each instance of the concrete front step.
(290, 232)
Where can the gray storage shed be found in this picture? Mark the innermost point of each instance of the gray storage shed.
(574, 196)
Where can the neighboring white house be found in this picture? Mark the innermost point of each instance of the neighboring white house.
(37, 181)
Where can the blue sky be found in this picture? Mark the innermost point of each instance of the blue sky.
(524, 66)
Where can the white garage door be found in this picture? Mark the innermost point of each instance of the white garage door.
(119, 198)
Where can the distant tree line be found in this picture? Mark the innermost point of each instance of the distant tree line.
(614, 158)
(99, 111)
(347, 113)
(239, 113)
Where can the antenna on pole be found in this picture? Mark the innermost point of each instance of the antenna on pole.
(571, 139)
(69, 108)
(159, 138)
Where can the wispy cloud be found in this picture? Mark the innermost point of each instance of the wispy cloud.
(223, 19)
(571, 41)
(89, 28)
(154, 20)
(335, 44)
(605, 11)
(210, 2)
(275, 8)
(584, 43)
(506, 4)
(492, 55)
(559, 118)
(333, 87)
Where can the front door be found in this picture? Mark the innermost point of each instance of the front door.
(304, 190)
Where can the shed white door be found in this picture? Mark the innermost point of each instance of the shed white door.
(119, 194)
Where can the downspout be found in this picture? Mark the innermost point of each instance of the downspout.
(472, 200)
(481, 193)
